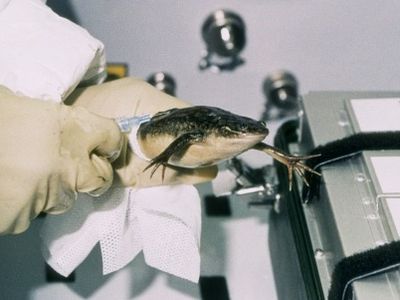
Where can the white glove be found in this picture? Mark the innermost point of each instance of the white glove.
(48, 153)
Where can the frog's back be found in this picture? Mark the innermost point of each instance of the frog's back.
(207, 119)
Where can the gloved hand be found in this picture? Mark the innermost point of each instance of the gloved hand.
(48, 153)
(127, 97)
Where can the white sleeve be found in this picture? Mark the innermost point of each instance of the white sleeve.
(44, 55)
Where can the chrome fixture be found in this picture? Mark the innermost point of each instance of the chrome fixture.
(224, 35)
(163, 82)
(281, 90)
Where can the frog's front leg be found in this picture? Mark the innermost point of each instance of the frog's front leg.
(176, 148)
(293, 162)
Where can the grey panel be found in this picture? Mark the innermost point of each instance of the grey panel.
(345, 219)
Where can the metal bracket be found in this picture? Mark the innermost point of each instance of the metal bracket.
(258, 187)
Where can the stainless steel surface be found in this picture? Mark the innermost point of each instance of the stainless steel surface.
(378, 205)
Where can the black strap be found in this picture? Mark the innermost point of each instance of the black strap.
(344, 148)
(362, 265)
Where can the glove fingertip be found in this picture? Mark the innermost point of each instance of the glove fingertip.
(95, 176)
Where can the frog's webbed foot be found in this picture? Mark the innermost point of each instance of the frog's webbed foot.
(176, 148)
(293, 163)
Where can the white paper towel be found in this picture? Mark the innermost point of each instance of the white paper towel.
(164, 222)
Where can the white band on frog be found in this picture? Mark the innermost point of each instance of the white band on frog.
(133, 142)
(131, 125)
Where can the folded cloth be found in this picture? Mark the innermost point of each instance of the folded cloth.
(164, 222)
(43, 55)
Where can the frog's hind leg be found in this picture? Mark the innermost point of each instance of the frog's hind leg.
(176, 148)
(293, 162)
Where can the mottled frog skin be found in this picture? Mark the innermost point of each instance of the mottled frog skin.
(208, 120)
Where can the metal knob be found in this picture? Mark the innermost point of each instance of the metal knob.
(281, 91)
(224, 34)
(163, 82)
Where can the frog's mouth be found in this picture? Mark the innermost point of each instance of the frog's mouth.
(227, 147)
